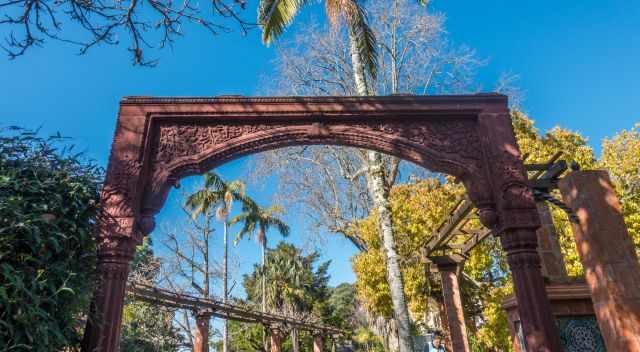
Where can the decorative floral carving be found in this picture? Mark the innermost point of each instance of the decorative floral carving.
(175, 141)
(113, 248)
(119, 189)
(449, 137)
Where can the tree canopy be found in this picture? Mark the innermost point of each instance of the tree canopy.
(48, 205)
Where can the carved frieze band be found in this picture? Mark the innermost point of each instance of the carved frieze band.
(456, 138)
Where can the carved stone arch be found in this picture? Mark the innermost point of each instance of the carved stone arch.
(190, 146)
(160, 140)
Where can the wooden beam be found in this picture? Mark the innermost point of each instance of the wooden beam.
(155, 295)
(445, 230)
(475, 240)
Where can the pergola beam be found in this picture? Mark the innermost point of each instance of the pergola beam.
(220, 309)
(545, 178)
(444, 233)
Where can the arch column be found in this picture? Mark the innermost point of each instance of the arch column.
(515, 217)
(608, 255)
(102, 332)
(448, 267)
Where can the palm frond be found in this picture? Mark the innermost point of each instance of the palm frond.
(332, 9)
(364, 36)
(280, 225)
(275, 16)
(213, 180)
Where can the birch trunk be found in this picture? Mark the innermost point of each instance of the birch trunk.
(358, 68)
(380, 195)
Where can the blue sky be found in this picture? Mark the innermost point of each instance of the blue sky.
(578, 64)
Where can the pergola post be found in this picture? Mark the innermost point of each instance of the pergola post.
(277, 337)
(553, 266)
(318, 341)
(448, 267)
(608, 255)
(201, 343)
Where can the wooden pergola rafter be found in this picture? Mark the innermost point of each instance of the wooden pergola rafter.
(543, 178)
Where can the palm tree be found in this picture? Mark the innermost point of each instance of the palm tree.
(217, 192)
(257, 221)
(274, 16)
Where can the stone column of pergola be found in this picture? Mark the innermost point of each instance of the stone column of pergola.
(553, 266)
(448, 269)
(277, 338)
(608, 255)
(318, 341)
(201, 343)
(158, 141)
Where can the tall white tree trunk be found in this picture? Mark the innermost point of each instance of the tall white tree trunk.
(380, 194)
(225, 286)
(264, 279)
(358, 68)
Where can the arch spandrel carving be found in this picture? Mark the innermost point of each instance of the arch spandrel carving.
(449, 145)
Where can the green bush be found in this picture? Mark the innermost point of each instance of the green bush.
(48, 203)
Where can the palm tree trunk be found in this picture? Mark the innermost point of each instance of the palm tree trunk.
(380, 194)
(264, 292)
(225, 286)
(264, 279)
(204, 346)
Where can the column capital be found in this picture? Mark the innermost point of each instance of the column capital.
(447, 262)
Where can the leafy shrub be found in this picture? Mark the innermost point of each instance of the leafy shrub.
(48, 203)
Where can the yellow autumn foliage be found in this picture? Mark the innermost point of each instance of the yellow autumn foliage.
(419, 208)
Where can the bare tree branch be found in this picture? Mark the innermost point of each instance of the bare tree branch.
(144, 24)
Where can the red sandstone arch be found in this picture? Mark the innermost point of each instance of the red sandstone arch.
(160, 140)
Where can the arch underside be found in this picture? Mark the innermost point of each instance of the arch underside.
(449, 145)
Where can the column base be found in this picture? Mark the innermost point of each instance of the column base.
(573, 311)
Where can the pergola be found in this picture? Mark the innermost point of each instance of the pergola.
(208, 307)
(158, 141)
(449, 246)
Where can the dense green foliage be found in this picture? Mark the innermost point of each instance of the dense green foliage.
(48, 203)
(293, 283)
(297, 285)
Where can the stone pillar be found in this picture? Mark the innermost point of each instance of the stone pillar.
(539, 327)
(201, 343)
(318, 342)
(453, 302)
(102, 332)
(608, 256)
(553, 267)
(277, 337)
(512, 213)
